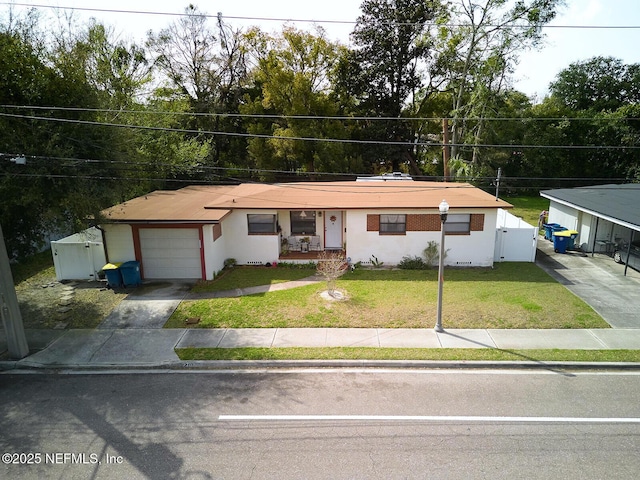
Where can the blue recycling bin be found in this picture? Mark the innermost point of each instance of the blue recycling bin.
(560, 242)
(131, 273)
(548, 230)
(113, 275)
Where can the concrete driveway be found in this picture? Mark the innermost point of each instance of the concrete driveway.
(598, 281)
(148, 306)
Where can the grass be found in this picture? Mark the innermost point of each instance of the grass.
(40, 295)
(510, 295)
(528, 208)
(452, 354)
(243, 277)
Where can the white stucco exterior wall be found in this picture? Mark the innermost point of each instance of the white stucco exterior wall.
(475, 249)
(214, 251)
(119, 243)
(249, 249)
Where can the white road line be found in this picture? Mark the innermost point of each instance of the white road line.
(424, 418)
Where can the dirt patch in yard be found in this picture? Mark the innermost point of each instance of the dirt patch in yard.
(46, 303)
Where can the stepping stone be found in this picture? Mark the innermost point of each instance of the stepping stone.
(64, 309)
(60, 326)
(65, 303)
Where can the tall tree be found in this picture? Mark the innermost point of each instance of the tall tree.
(207, 66)
(386, 70)
(293, 75)
(480, 41)
(601, 83)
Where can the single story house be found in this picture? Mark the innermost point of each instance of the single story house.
(189, 233)
(605, 216)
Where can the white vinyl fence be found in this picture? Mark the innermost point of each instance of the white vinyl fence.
(516, 240)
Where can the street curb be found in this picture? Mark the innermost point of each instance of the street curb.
(187, 366)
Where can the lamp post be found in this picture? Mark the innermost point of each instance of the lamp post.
(444, 210)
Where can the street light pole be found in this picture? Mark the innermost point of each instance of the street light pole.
(444, 210)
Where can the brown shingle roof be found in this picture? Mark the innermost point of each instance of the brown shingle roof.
(184, 205)
(355, 195)
(211, 203)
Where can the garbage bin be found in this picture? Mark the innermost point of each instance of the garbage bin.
(113, 274)
(548, 230)
(573, 234)
(131, 273)
(560, 242)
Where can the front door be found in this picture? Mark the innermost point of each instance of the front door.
(333, 230)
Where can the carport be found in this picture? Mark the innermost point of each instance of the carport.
(607, 217)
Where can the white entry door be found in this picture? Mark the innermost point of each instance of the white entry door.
(333, 229)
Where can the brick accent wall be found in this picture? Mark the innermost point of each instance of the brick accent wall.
(477, 222)
(373, 223)
(429, 222)
(423, 222)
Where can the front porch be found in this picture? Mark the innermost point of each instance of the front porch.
(304, 256)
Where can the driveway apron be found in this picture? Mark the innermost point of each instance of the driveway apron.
(148, 306)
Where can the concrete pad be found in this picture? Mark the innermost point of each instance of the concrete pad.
(300, 337)
(545, 339)
(624, 339)
(149, 306)
(201, 338)
(75, 347)
(127, 347)
(408, 338)
(41, 338)
(462, 338)
(247, 337)
(352, 337)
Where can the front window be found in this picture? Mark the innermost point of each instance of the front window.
(261, 223)
(391, 224)
(303, 222)
(458, 223)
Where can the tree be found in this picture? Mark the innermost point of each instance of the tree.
(479, 43)
(598, 84)
(208, 68)
(332, 265)
(385, 71)
(292, 79)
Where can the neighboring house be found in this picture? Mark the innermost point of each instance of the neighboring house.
(190, 232)
(606, 217)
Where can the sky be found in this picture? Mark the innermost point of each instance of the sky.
(535, 71)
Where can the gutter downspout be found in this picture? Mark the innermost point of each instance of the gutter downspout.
(104, 243)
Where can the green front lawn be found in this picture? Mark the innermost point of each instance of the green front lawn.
(510, 295)
(244, 277)
(451, 354)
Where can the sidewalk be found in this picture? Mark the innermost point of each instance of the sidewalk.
(119, 348)
(133, 335)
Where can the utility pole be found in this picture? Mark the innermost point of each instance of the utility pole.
(498, 182)
(9, 310)
(446, 148)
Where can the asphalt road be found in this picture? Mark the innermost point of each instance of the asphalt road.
(307, 424)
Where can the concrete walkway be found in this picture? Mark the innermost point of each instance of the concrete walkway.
(120, 348)
(133, 337)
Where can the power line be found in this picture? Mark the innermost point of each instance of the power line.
(75, 161)
(305, 20)
(313, 117)
(408, 144)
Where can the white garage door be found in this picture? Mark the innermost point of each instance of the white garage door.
(170, 253)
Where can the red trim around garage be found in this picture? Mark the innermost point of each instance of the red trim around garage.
(135, 229)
